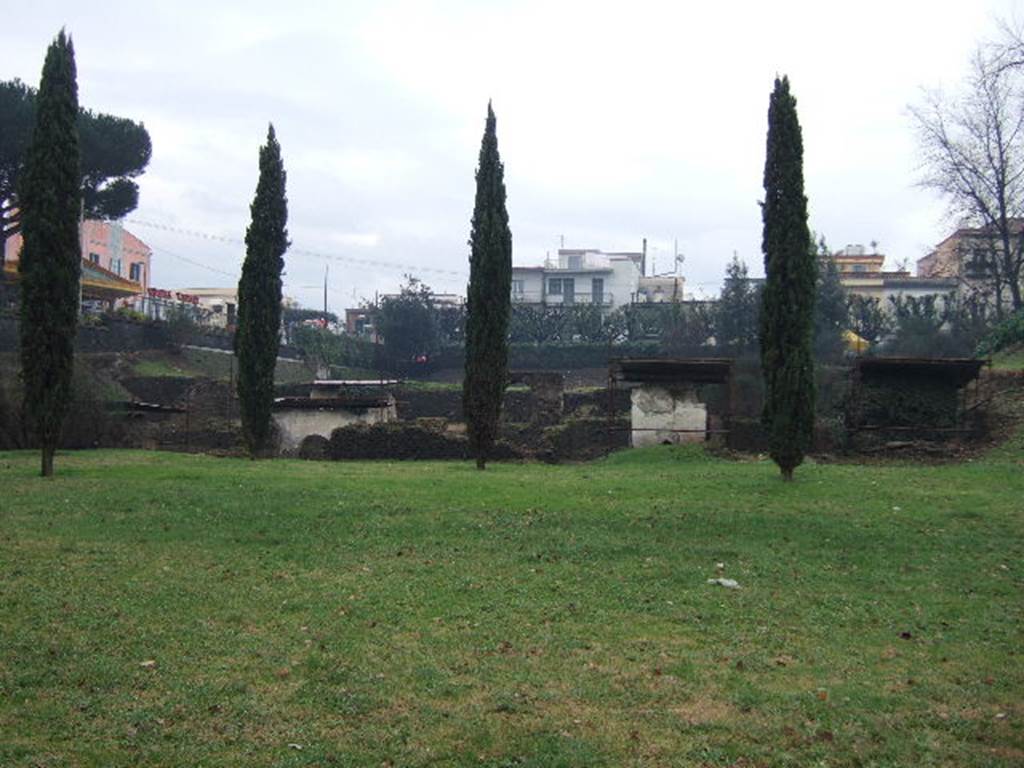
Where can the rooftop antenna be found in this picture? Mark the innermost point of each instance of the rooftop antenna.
(561, 241)
(643, 260)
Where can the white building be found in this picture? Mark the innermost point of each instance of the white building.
(219, 305)
(591, 276)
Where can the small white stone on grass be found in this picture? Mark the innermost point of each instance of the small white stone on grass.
(727, 583)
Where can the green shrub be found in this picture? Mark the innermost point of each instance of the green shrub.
(1008, 333)
(127, 313)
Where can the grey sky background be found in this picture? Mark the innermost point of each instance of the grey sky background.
(616, 121)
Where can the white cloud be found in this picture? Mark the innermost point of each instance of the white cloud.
(616, 121)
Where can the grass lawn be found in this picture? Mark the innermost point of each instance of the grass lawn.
(216, 365)
(1009, 359)
(160, 609)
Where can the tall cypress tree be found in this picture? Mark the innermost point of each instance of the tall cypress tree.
(50, 263)
(787, 310)
(259, 297)
(488, 300)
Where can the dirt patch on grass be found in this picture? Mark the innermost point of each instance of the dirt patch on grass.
(704, 711)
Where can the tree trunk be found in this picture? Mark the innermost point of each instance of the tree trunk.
(481, 462)
(48, 452)
(1015, 294)
(787, 474)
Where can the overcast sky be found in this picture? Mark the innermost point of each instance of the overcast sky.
(616, 121)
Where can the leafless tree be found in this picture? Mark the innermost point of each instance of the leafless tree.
(972, 147)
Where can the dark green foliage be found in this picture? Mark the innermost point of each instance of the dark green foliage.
(488, 300)
(451, 323)
(787, 316)
(113, 151)
(50, 262)
(259, 297)
(533, 324)
(17, 118)
(181, 324)
(642, 322)
(671, 327)
(737, 312)
(830, 306)
(556, 356)
(936, 326)
(1007, 334)
(677, 328)
(536, 324)
(323, 349)
(905, 402)
(586, 323)
(410, 325)
(918, 327)
(866, 318)
(969, 317)
(687, 328)
(293, 318)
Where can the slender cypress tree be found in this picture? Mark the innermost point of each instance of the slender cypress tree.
(50, 262)
(259, 297)
(787, 310)
(488, 300)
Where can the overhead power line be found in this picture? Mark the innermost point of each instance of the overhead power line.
(410, 268)
(193, 262)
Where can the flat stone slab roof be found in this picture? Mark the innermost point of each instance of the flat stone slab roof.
(958, 370)
(672, 370)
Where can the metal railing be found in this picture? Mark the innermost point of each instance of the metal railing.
(562, 299)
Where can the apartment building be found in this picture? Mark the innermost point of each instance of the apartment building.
(590, 276)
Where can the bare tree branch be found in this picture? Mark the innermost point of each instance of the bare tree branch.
(972, 151)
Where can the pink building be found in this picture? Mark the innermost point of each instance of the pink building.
(109, 246)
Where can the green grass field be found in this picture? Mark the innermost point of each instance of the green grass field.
(1009, 359)
(216, 365)
(160, 609)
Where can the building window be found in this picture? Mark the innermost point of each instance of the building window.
(135, 272)
(575, 262)
(564, 287)
(94, 258)
(859, 268)
(115, 266)
(517, 288)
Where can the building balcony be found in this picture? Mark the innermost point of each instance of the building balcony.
(563, 299)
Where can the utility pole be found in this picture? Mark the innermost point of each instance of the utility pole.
(327, 269)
